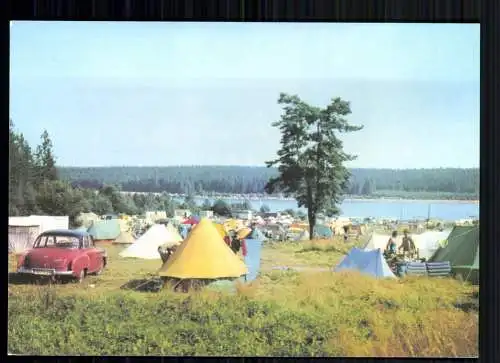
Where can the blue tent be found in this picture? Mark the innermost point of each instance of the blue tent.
(369, 262)
(183, 230)
(252, 259)
(257, 234)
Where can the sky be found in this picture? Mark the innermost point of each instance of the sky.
(159, 94)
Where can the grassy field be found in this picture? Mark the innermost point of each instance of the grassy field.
(306, 313)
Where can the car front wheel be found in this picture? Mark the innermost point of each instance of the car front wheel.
(81, 276)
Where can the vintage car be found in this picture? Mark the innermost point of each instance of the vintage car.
(63, 254)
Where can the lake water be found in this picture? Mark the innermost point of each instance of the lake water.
(401, 209)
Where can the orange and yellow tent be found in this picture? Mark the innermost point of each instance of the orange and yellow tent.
(220, 228)
(243, 232)
(203, 255)
(232, 224)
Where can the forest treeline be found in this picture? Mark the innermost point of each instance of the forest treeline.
(37, 188)
(196, 180)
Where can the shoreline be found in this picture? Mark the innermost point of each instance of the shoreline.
(369, 200)
(253, 198)
(392, 200)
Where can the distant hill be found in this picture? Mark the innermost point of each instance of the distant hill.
(461, 183)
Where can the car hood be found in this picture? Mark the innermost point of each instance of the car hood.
(50, 257)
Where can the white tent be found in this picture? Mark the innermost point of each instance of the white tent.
(380, 241)
(303, 236)
(426, 243)
(146, 246)
(86, 219)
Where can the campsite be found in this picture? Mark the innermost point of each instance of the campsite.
(228, 189)
(147, 275)
(297, 304)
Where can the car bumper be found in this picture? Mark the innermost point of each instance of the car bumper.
(43, 272)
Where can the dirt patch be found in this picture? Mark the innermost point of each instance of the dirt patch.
(144, 285)
(301, 268)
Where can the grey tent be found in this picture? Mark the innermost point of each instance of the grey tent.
(124, 238)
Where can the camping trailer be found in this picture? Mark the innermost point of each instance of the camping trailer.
(206, 214)
(21, 238)
(21, 229)
(44, 222)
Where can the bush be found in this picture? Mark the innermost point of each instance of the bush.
(282, 313)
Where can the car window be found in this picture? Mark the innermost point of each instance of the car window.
(40, 242)
(57, 241)
(67, 241)
(50, 241)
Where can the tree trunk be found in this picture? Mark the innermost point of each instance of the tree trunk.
(312, 222)
(311, 212)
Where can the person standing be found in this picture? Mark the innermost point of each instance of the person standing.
(346, 231)
(183, 231)
(407, 245)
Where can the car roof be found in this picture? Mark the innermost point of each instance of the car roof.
(65, 232)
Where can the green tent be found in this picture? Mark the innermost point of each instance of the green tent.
(321, 231)
(462, 250)
(105, 229)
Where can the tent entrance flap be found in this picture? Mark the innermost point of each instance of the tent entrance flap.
(368, 262)
(252, 259)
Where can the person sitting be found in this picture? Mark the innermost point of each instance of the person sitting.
(238, 244)
(235, 244)
(391, 247)
(163, 254)
(166, 252)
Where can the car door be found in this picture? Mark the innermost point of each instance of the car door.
(93, 253)
(86, 250)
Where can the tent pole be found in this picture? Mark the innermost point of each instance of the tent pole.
(468, 275)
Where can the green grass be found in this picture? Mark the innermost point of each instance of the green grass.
(281, 313)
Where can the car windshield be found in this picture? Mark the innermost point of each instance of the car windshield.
(57, 241)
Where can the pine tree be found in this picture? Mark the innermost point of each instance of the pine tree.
(22, 195)
(45, 159)
(368, 187)
(311, 159)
